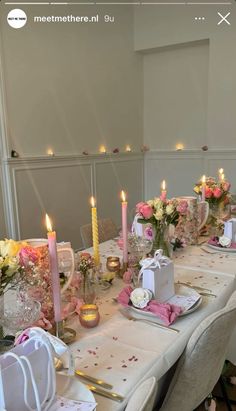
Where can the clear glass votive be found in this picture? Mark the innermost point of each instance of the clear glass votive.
(113, 264)
(89, 315)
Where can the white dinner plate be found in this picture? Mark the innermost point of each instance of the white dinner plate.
(222, 249)
(182, 290)
(72, 388)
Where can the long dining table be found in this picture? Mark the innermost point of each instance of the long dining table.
(124, 352)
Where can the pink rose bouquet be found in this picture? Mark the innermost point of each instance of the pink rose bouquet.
(215, 191)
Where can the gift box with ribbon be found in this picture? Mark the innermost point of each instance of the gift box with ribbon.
(230, 229)
(158, 276)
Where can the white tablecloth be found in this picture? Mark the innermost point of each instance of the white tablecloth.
(123, 352)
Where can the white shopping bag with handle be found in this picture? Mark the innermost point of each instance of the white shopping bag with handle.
(27, 373)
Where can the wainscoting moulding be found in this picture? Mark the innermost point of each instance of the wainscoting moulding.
(14, 165)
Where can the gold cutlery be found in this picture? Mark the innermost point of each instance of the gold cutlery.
(108, 394)
(208, 294)
(126, 314)
(196, 287)
(59, 367)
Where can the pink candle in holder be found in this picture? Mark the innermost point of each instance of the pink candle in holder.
(56, 290)
(163, 191)
(124, 227)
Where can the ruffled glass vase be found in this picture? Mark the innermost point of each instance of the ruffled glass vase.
(161, 240)
(218, 213)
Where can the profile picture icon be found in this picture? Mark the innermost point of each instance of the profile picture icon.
(16, 18)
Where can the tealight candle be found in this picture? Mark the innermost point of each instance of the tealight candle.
(103, 150)
(179, 146)
(128, 149)
(89, 315)
(113, 264)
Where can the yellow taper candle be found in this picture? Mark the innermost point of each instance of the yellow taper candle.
(95, 233)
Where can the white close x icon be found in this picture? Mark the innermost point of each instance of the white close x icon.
(224, 19)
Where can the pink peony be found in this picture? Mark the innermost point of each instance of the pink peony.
(139, 206)
(127, 277)
(217, 193)
(148, 233)
(43, 322)
(226, 186)
(208, 192)
(182, 207)
(28, 255)
(146, 211)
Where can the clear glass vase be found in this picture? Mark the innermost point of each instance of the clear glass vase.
(87, 288)
(161, 240)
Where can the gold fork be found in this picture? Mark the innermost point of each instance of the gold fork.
(126, 314)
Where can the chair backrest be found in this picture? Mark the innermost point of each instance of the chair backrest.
(144, 396)
(106, 231)
(200, 365)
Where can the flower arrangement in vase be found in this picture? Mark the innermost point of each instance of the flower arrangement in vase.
(160, 213)
(85, 265)
(217, 194)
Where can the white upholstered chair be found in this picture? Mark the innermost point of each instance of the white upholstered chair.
(200, 366)
(144, 396)
(106, 231)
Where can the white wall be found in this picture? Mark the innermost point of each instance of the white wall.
(175, 96)
(168, 26)
(72, 86)
(69, 87)
(62, 186)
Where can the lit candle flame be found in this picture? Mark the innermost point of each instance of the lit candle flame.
(102, 149)
(163, 185)
(204, 179)
(48, 223)
(179, 146)
(50, 152)
(92, 201)
(221, 171)
(128, 148)
(123, 196)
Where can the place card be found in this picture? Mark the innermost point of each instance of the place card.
(184, 301)
(64, 404)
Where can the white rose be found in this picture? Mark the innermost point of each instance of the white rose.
(140, 297)
(158, 214)
(157, 203)
(169, 209)
(225, 241)
(150, 203)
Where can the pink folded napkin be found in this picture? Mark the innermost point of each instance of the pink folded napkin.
(215, 241)
(166, 312)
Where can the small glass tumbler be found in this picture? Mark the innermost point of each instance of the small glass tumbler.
(89, 315)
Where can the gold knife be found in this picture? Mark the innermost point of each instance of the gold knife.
(93, 380)
(86, 377)
(108, 394)
(197, 287)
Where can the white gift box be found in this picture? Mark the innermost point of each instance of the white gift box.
(158, 276)
(230, 229)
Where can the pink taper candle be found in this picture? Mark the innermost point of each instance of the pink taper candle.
(56, 290)
(163, 191)
(203, 188)
(124, 227)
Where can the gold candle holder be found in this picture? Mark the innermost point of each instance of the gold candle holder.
(89, 315)
(66, 334)
(113, 264)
